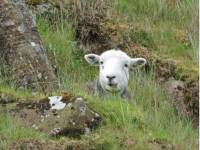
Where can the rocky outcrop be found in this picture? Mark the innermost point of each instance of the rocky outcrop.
(64, 116)
(23, 56)
(191, 95)
(183, 91)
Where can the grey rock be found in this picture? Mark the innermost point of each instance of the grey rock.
(75, 119)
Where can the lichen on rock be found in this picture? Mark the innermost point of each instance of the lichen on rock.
(74, 119)
(22, 50)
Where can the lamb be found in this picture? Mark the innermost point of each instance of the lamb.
(114, 66)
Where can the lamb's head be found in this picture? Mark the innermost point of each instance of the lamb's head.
(114, 66)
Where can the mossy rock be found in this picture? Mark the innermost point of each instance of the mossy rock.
(74, 119)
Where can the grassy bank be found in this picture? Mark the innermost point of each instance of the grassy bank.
(173, 26)
(147, 119)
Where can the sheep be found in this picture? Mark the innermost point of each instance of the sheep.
(114, 66)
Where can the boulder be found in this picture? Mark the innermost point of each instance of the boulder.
(175, 89)
(184, 95)
(24, 61)
(58, 115)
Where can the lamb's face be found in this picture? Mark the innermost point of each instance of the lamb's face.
(114, 66)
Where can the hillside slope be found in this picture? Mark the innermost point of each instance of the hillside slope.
(160, 31)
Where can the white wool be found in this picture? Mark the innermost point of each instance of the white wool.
(56, 103)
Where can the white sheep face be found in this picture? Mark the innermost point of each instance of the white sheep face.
(114, 66)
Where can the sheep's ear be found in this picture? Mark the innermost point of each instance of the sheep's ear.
(92, 59)
(137, 62)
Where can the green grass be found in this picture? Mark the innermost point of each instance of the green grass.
(148, 116)
(172, 24)
(60, 43)
(14, 131)
(11, 130)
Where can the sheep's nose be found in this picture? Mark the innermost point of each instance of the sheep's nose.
(110, 77)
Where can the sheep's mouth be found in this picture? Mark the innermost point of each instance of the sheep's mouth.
(113, 85)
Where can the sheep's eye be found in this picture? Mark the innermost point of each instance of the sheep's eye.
(101, 62)
(126, 65)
